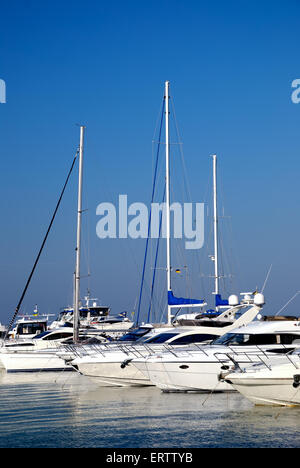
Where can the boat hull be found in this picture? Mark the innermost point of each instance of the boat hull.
(268, 388)
(32, 362)
(111, 374)
(184, 376)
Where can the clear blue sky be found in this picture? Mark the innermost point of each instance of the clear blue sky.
(103, 64)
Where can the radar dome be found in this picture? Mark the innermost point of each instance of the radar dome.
(233, 300)
(259, 299)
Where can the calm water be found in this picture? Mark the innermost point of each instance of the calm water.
(67, 410)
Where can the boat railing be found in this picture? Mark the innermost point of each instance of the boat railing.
(196, 349)
(241, 358)
(266, 359)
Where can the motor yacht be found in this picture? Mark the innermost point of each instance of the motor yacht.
(92, 314)
(274, 381)
(199, 369)
(112, 364)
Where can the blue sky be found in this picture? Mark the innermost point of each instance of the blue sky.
(104, 64)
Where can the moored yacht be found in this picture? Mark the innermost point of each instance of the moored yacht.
(28, 326)
(200, 369)
(272, 382)
(116, 367)
(113, 364)
(32, 361)
(92, 314)
(40, 353)
(110, 365)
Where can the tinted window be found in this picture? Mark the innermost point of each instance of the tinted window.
(195, 338)
(56, 336)
(223, 340)
(30, 328)
(289, 339)
(133, 336)
(161, 338)
(240, 339)
(41, 335)
(260, 340)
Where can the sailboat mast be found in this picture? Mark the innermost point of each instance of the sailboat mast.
(167, 84)
(216, 244)
(78, 239)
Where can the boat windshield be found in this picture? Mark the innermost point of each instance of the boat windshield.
(243, 339)
(31, 328)
(160, 338)
(41, 335)
(134, 335)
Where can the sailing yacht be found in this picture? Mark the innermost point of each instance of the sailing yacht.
(109, 369)
(14, 360)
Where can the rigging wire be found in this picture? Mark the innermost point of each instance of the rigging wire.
(155, 263)
(42, 247)
(149, 221)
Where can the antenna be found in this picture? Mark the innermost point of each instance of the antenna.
(267, 277)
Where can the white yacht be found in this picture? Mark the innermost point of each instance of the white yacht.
(110, 368)
(200, 369)
(92, 314)
(28, 326)
(32, 361)
(40, 353)
(112, 364)
(274, 381)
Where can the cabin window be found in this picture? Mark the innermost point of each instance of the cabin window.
(161, 338)
(30, 328)
(288, 338)
(241, 339)
(56, 336)
(195, 338)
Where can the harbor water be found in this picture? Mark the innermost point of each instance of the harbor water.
(66, 410)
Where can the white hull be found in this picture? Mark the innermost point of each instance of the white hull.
(198, 371)
(170, 377)
(270, 392)
(269, 386)
(32, 362)
(111, 374)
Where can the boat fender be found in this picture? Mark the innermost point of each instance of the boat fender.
(125, 363)
(296, 382)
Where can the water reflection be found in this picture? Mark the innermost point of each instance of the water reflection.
(68, 410)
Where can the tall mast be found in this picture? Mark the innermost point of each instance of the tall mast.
(168, 195)
(78, 239)
(216, 260)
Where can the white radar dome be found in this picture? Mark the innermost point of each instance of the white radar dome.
(233, 300)
(259, 299)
